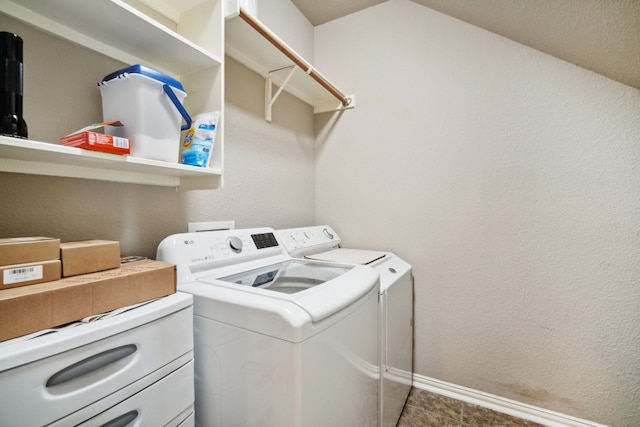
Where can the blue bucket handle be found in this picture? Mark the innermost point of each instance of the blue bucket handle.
(172, 96)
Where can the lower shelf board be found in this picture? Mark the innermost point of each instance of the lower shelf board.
(42, 158)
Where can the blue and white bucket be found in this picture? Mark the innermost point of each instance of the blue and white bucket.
(149, 104)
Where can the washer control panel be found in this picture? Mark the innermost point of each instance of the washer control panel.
(199, 252)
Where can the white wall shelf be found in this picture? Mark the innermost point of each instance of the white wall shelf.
(42, 158)
(251, 43)
(184, 39)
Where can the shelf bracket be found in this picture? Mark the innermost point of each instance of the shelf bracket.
(269, 98)
(345, 102)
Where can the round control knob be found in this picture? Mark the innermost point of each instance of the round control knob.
(328, 233)
(235, 244)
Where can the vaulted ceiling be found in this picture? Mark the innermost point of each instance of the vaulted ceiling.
(600, 35)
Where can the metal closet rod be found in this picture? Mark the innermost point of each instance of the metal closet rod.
(282, 47)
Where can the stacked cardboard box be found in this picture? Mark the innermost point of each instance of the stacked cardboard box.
(29, 260)
(31, 308)
(89, 256)
(94, 282)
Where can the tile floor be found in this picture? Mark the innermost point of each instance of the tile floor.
(426, 409)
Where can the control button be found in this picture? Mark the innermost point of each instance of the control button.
(328, 233)
(235, 244)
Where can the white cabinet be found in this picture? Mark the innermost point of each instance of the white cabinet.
(183, 38)
(102, 369)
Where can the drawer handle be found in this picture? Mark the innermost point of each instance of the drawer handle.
(123, 420)
(91, 364)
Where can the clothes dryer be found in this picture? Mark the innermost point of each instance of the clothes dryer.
(322, 243)
(278, 341)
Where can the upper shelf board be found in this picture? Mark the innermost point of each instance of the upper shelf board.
(116, 29)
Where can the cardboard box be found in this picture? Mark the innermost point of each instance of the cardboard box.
(31, 308)
(93, 138)
(89, 256)
(31, 273)
(21, 250)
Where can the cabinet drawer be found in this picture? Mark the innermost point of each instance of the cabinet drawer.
(48, 389)
(168, 402)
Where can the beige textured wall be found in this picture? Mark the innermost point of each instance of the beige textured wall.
(269, 170)
(511, 181)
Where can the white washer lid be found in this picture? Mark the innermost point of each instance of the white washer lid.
(293, 317)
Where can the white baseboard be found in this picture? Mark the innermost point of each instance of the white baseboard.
(500, 404)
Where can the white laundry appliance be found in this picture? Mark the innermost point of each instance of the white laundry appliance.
(396, 308)
(278, 342)
(133, 366)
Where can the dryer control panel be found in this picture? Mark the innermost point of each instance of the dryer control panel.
(308, 240)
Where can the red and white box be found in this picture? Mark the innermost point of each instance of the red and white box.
(93, 138)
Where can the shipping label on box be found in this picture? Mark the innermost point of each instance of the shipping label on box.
(28, 309)
(93, 138)
(89, 256)
(21, 250)
(16, 275)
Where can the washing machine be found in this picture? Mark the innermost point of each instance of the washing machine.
(279, 342)
(322, 243)
(133, 366)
